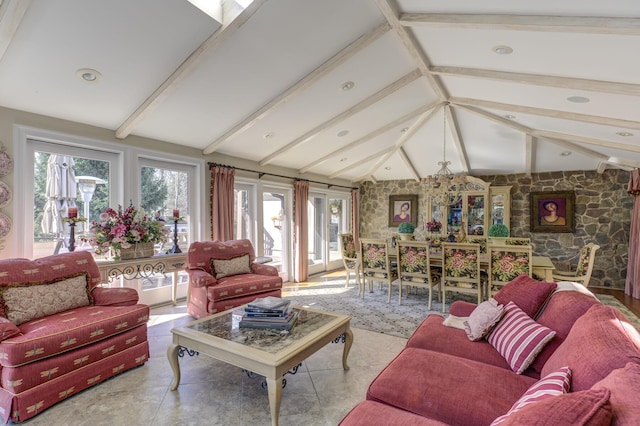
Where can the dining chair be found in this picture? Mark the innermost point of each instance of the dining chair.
(507, 262)
(478, 240)
(583, 271)
(414, 268)
(517, 241)
(461, 270)
(376, 265)
(350, 258)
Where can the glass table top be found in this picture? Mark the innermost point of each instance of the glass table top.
(269, 340)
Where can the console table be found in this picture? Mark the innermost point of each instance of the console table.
(144, 267)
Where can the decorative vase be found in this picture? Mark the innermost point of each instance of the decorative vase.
(137, 251)
(406, 237)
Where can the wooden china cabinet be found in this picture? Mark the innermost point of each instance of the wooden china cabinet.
(481, 206)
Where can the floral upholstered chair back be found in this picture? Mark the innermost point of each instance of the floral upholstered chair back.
(482, 241)
(414, 267)
(506, 263)
(376, 265)
(350, 257)
(517, 241)
(349, 253)
(461, 269)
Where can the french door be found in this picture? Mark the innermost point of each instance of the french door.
(328, 216)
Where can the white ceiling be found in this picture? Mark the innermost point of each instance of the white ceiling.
(267, 85)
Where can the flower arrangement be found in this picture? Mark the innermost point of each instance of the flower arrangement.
(434, 225)
(121, 229)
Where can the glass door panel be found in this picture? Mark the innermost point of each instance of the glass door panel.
(317, 235)
(275, 225)
(338, 224)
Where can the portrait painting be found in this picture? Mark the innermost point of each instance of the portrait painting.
(552, 211)
(403, 208)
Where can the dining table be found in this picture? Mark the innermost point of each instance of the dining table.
(541, 266)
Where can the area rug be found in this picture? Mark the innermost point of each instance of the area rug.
(373, 313)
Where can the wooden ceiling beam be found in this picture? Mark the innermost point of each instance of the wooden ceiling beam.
(217, 39)
(409, 164)
(582, 139)
(377, 132)
(336, 60)
(389, 8)
(530, 156)
(363, 161)
(457, 139)
(398, 144)
(554, 113)
(11, 14)
(371, 100)
(493, 117)
(546, 23)
(542, 80)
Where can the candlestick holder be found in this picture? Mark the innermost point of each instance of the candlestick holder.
(72, 230)
(175, 248)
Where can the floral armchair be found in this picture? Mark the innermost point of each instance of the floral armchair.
(414, 268)
(517, 241)
(507, 263)
(376, 265)
(584, 268)
(461, 270)
(350, 258)
(482, 241)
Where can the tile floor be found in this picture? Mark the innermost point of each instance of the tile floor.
(214, 393)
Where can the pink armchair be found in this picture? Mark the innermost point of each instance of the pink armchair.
(223, 275)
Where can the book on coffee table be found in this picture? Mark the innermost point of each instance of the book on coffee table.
(276, 325)
(268, 304)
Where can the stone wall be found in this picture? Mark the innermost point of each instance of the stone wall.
(603, 214)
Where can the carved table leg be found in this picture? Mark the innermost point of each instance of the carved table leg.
(347, 347)
(172, 355)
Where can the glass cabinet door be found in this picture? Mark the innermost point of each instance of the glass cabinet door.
(455, 218)
(475, 214)
(500, 205)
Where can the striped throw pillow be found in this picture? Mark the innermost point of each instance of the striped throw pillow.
(518, 338)
(553, 384)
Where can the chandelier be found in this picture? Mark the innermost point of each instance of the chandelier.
(445, 187)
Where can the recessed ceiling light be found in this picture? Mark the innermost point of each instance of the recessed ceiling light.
(342, 133)
(268, 135)
(404, 130)
(565, 153)
(89, 75)
(624, 134)
(503, 50)
(578, 99)
(509, 116)
(347, 86)
(343, 159)
(387, 168)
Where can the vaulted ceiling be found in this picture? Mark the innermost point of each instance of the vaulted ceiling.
(347, 89)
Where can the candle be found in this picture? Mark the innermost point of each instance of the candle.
(73, 212)
(176, 213)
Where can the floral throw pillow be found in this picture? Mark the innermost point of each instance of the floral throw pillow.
(26, 302)
(228, 267)
(482, 319)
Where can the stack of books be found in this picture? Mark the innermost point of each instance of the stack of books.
(269, 312)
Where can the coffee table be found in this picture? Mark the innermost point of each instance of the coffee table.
(269, 353)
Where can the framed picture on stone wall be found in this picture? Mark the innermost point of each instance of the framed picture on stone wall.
(552, 211)
(403, 208)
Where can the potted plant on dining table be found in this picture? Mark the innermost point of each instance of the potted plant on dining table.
(405, 230)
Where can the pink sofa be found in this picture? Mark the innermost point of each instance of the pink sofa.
(442, 377)
(61, 333)
(237, 280)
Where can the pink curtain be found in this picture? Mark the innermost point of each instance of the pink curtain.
(222, 181)
(355, 218)
(632, 286)
(300, 230)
